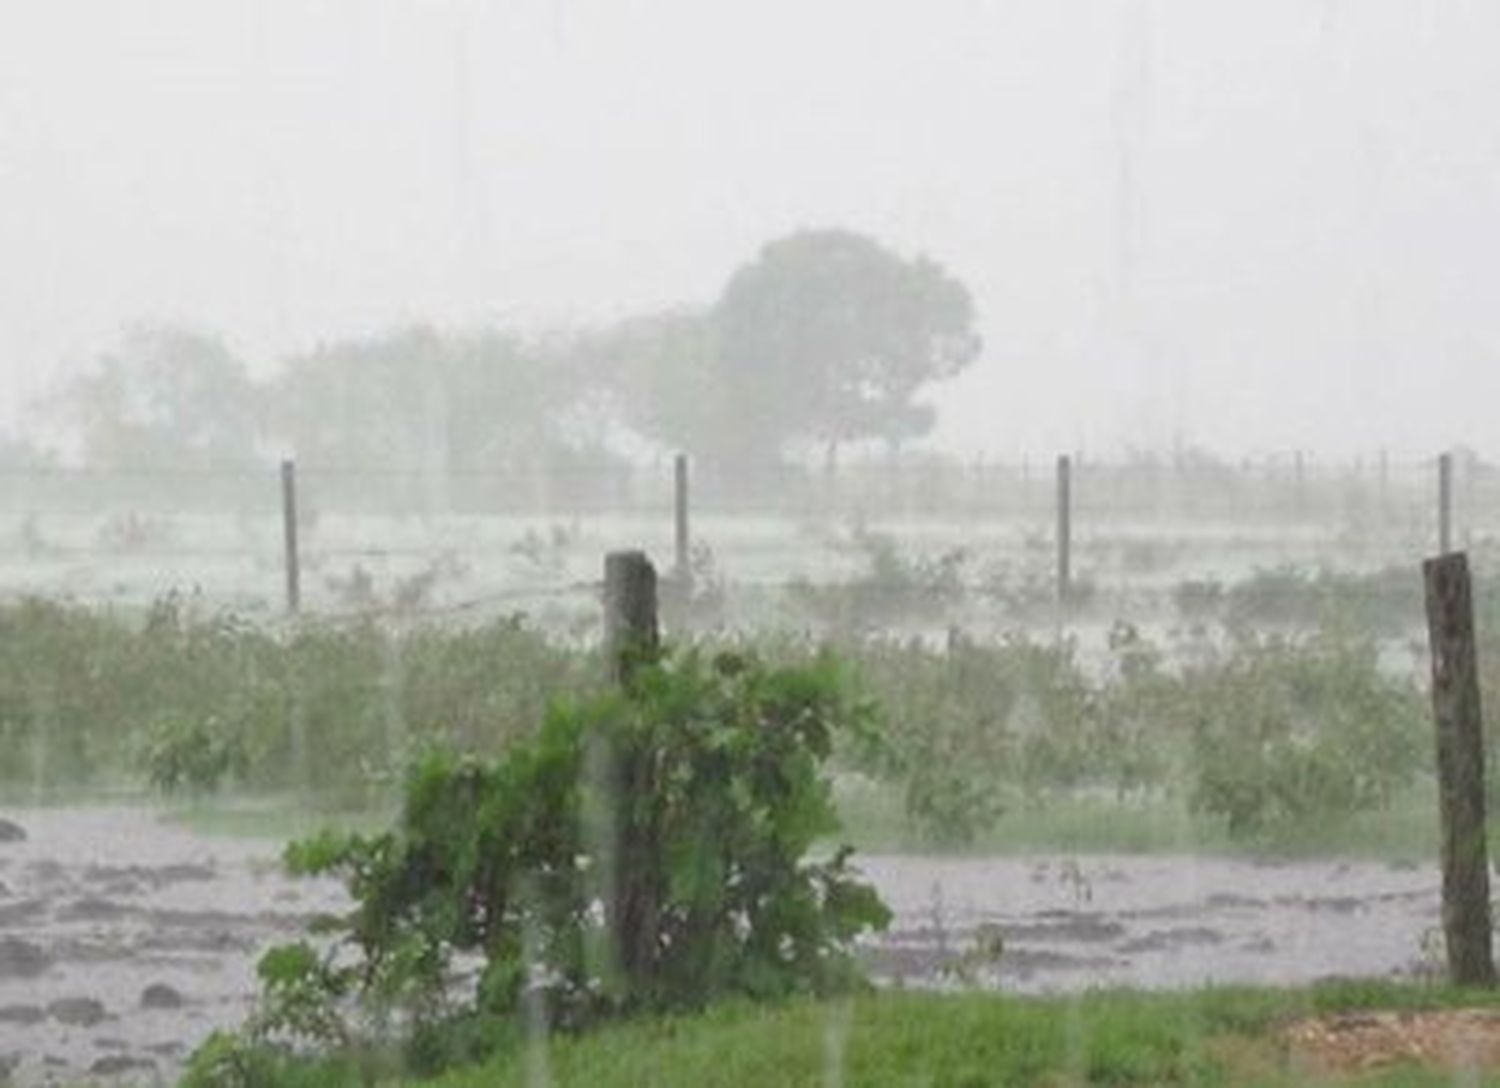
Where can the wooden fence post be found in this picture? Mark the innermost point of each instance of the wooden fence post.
(289, 536)
(1460, 765)
(684, 571)
(1064, 529)
(1445, 503)
(631, 633)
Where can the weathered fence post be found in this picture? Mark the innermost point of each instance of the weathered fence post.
(1064, 529)
(631, 633)
(631, 637)
(684, 571)
(1460, 765)
(1445, 503)
(289, 535)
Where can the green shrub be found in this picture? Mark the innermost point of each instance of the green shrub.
(1289, 730)
(1138, 739)
(644, 850)
(964, 726)
(192, 755)
(1386, 601)
(189, 702)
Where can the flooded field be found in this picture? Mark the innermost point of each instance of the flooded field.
(125, 938)
(1070, 924)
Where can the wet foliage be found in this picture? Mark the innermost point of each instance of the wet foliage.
(643, 851)
(1254, 729)
(193, 703)
(1257, 731)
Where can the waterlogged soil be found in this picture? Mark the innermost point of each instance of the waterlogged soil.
(125, 938)
(1060, 925)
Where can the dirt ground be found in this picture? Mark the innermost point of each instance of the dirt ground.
(1069, 924)
(1464, 1041)
(125, 940)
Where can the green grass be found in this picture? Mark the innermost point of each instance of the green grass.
(875, 823)
(1227, 1036)
(1406, 830)
(883, 1040)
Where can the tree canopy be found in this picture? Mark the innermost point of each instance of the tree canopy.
(827, 336)
(824, 338)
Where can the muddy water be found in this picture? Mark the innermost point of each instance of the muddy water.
(126, 939)
(1069, 924)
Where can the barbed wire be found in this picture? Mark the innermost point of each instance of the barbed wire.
(1287, 465)
(390, 611)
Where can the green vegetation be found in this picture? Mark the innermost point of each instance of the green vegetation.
(92, 698)
(1250, 734)
(1213, 1037)
(1387, 601)
(1256, 734)
(645, 851)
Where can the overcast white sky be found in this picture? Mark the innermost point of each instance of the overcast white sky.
(1313, 188)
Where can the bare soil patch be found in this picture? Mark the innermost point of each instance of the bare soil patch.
(1352, 1044)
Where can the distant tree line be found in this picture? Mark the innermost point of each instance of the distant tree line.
(824, 339)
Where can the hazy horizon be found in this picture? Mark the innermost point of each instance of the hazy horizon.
(1243, 227)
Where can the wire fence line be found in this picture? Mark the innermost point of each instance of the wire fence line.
(449, 544)
(1288, 487)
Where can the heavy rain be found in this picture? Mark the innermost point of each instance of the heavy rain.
(557, 542)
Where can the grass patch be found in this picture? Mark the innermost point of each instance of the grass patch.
(875, 822)
(1406, 830)
(1227, 1036)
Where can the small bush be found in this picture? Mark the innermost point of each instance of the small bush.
(192, 755)
(1290, 730)
(643, 851)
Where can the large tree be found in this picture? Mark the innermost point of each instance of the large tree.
(828, 337)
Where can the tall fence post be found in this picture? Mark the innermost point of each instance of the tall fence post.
(1064, 529)
(1460, 765)
(289, 536)
(1445, 503)
(631, 633)
(684, 571)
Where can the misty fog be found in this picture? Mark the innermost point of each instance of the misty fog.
(1245, 227)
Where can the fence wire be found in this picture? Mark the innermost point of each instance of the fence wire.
(445, 545)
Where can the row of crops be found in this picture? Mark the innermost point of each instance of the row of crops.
(1289, 697)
